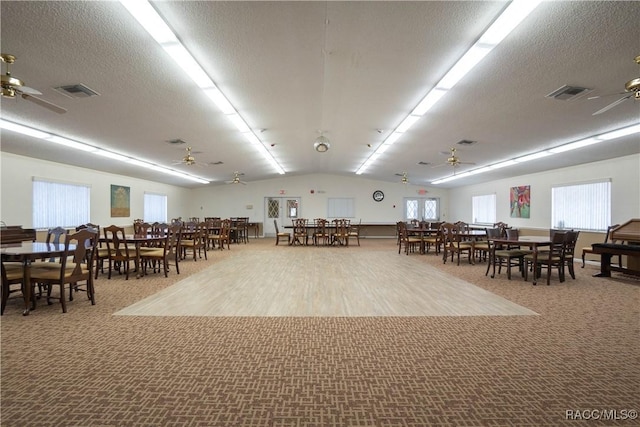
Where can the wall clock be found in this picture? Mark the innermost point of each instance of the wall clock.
(378, 195)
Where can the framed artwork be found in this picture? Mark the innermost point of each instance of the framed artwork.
(520, 200)
(120, 201)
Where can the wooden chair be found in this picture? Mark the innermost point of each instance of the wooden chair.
(280, 234)
(300, 232)
(455, 244)
(224, 234)
(320, 232)
(571, 238)
(354, 231)
(410, 243)
(12, 282)
(505, 255)
(340, 234)
(589, 250)
(120, 255)
(212, 229)
(75, 266)
(195, 233)
(554, 257)
(158, 255)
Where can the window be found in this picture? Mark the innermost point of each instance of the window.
(155, 208)
(59, 204)
(426, 209)
(483, 209)
(581, 206)
(340, 207)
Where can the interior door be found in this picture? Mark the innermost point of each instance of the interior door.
(283, 210)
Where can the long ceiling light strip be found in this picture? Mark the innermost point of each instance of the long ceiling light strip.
(509, 19)
(153, 23)
(619, 133)
(49, 137)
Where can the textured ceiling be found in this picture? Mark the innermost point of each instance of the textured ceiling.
(351, 69)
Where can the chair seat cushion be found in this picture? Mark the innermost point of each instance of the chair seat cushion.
(38, 273)
(14, 274)
(153, 252)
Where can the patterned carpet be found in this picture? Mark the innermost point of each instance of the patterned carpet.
(91, 368)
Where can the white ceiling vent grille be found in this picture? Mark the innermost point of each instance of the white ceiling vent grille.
(567, 93)
(77, 91)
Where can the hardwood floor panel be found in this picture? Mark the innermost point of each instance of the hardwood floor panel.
(260, 280)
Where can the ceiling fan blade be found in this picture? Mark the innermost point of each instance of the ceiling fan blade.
(606, 95)
(613, 104)
(46, 104)
(29, 90)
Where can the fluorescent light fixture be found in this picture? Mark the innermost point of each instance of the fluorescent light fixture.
(407, 123)
(220, 100)
(510, 18)
(252, 138)
(533, 156)
(465, 64)
(239, 122)
(24, 130)
(184, 59)
(112, 155)
(428, 101)
(147, 16)
(72, 144)
(630, 130)
(502, 164)
(49, 137)
(155, 25)
(573, 145)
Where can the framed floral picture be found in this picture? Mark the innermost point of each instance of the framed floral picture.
(120, 200)
(520, 200)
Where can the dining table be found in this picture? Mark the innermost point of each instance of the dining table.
(26, 253)
(531, 242)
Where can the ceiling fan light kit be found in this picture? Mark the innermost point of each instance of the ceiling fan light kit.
(322, 144)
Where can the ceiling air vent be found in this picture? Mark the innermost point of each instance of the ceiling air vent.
(567, 93)
(176, 141)
(77, 91)
(466, 142)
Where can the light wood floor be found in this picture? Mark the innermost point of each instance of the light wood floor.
(263, 280)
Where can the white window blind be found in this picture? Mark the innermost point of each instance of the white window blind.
(155, 208)
(483, 209)
(58, 204)
(340, 207)
(581, 206)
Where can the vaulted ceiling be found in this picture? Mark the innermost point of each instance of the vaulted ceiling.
(353, 70)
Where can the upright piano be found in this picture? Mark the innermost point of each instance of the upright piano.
(16, 234)
(628, 236)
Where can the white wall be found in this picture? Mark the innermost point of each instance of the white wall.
(232, 200)
(624, 173)
(17, 174)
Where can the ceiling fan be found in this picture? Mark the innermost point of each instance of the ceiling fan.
(236, 179)
(632, 89)
(189, 159)
(11, 87)
(404, 178)
(453, 160)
